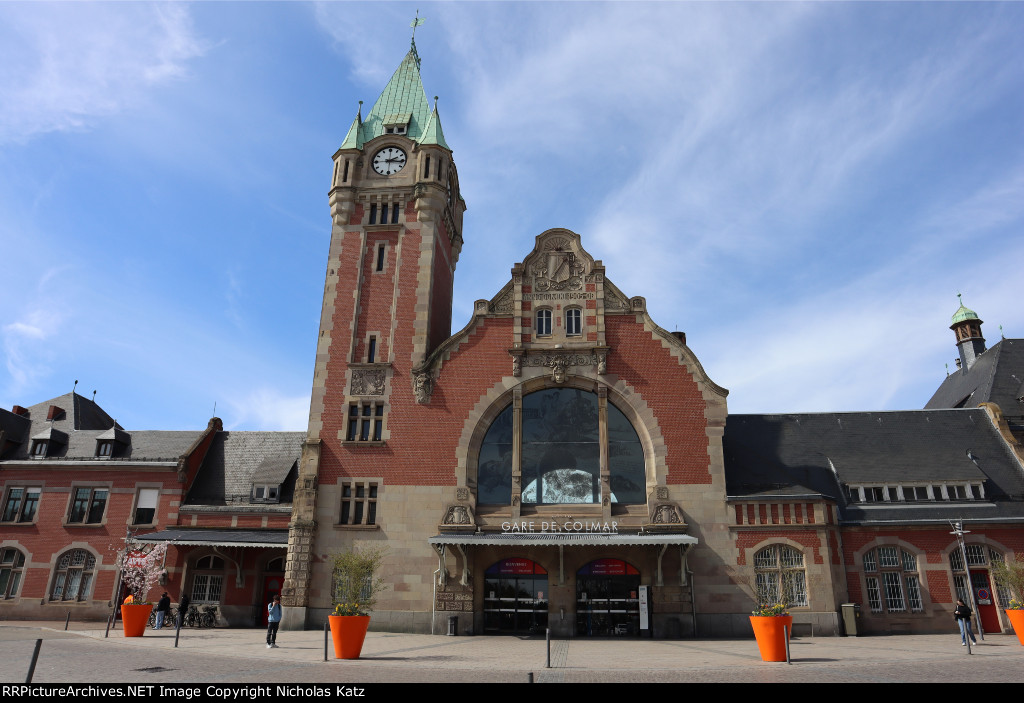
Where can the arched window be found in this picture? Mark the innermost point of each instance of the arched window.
(12, 566)
(275, 564)
(779, 572)
(208, 580)
(573, 322)
(544, 322)
(74, 575)
(561, 452)
(979, 560)
(892, 580)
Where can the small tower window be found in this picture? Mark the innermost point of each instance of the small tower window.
(371, 352)
(380, 257)
(384, 214)
(394, 214)
(573, 322)
(373, 213)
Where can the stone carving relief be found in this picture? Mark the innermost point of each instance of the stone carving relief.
(457, 515)
(368, 381)
(557, 269)
(661, 492)
(504, 302)
(423, 386)
(560, 363)
(666, 515)
(462, 493)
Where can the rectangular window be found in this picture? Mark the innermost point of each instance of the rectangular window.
(39, 450)
(371, 351)
(365, 422)
(543, 323)
(88, 505)
(105, 449)
(384, 214)
(358, 503)
(914, 594)
(893, 592)
(888, 556)
(975, 555)
(426, 168)
(380, 257)
(394, 214)
(12, 506)
(145, 506)
(869, 561)
(874, 599)
(206, 588)
(344, 178)
(373, 213)
(959, 583)
(573, 322)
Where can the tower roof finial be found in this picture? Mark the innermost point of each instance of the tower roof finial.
(414, 24)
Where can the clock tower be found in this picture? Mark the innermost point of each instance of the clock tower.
(396, 234)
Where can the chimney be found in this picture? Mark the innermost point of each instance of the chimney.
(18, 410)
(681, 336)
(54, 413)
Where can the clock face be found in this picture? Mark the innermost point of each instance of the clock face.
(389, 160)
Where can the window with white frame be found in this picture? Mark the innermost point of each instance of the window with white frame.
(543, 322)
(208, 580)
(21, 504)
(73, 577)
(145, 506)
(893, 580)
(915, 493)
(266, 493)
(780, 577)
(12, 567)
(573, 322)
(979, 560)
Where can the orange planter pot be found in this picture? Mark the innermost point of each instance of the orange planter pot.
(1017, 620)
(134, 617)
(348, 633)
(770, 635)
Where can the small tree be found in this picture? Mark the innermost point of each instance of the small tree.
(1010, 575)
(140, 571)
(355, 583)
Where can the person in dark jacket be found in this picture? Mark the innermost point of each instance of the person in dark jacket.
(962, 615)
(182, 610)
(163, 607)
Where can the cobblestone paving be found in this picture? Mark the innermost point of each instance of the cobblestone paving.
(83, 655)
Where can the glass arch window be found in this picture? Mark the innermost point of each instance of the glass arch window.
(560, 453)
(74, 575)
(12, 567)
(892, 579)
(779, 572)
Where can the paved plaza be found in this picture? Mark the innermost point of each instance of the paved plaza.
(83, 655)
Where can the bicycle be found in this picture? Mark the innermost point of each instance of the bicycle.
(192, 617)
(208, 618)
(170, 620)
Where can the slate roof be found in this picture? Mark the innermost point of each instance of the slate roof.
(218, 537)
(237, 460)
(818, 454)
(996, 376)
(74, 434)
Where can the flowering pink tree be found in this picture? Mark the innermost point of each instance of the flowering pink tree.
(141, 570)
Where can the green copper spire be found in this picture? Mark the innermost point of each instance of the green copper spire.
(432, 133)
(403, 102)
(354, 140)
(964, 313)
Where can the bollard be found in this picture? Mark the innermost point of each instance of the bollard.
(547, 636)
(968, 641)
(32, 666)
(325, 641)
(529, 677)
(66, 621)
(177, 629)
(785, 631)
(107, 633)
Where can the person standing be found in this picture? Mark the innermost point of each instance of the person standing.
(273, 621)
(163, 607)
(962, 615)
(182, 609)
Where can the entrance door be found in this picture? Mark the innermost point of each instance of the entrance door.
(515, 597)
(271, 588)
(987, 613)
(608, 599)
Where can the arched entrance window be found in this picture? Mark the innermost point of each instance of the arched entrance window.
(515, 597)
(608, 598)
(74, 575)
(561, 451)
(208, 580)
(779, 572)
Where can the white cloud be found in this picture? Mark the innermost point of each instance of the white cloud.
(62, 65)
(267, 408)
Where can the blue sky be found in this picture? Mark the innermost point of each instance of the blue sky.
(803, 188)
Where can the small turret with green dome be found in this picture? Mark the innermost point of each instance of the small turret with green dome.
(967, 327)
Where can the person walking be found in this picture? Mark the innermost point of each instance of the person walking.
(273, 621)
(163, 608)
(962, 615)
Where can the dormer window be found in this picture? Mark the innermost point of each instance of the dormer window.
(266, 493)
(395, 129)
(104, 449)
(39, 449)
